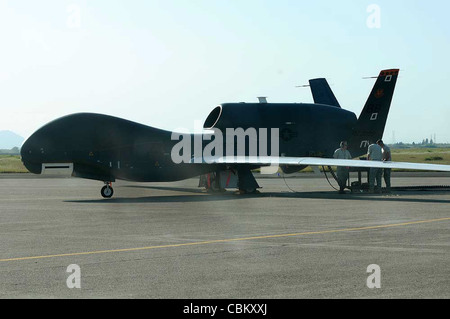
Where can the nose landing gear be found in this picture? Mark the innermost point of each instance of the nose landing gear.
(107, 190)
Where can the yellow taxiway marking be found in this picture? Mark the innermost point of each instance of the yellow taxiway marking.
(229, 240)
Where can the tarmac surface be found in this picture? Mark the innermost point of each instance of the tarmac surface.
(297, 239)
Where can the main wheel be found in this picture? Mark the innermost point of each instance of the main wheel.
(107, 191)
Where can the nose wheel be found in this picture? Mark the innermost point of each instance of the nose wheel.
(107, 190)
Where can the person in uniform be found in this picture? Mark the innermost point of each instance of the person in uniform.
(386, 158)
(342, 171)
(375, 153)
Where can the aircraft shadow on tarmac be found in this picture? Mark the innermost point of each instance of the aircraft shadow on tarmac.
(199, 195)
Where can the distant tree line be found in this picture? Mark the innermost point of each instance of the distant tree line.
(424, 144)
(13, 151)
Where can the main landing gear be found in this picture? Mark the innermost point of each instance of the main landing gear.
(218, 181)
(107, 190)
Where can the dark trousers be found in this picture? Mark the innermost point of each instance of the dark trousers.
(387, 178)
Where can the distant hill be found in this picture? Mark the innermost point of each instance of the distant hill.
(9, 139)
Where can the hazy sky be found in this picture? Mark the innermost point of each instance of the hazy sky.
(168, 63)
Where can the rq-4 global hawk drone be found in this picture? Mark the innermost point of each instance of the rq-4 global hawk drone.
(238, 138)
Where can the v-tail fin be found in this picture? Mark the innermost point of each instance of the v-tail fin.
(372, 121)
(322, 93)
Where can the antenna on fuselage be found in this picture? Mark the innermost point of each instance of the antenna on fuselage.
(262, 99)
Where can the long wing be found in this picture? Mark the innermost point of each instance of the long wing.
(317, 161)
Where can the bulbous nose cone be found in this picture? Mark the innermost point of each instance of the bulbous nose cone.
(32, 155)
(46, 145)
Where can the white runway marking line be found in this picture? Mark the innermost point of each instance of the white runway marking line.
(228, 240)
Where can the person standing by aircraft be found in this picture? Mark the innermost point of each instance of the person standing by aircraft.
(375, 153)
(342, 172)
(386, 158)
